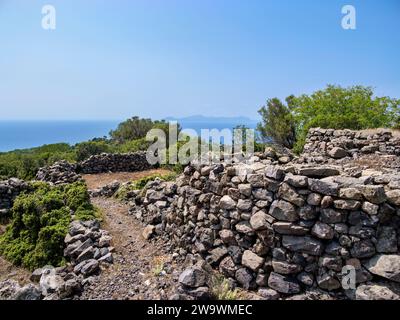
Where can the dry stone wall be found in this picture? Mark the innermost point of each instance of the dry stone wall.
(65, 172)
(341, 143)
(115, 162)
(282, 229)
(9, 190)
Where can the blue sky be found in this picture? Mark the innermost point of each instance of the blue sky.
(159, 58)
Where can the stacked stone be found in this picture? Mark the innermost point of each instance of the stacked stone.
(87, 248)
(59, 173)
(285, 230)
(106, 191)
(341, 143)
(9, 190)
(115, 162)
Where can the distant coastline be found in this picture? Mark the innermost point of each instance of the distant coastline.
(25, 134)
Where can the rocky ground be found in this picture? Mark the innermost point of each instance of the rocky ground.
(141, 269)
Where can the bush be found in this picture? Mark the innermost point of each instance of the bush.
(86, 149)
(40, 221)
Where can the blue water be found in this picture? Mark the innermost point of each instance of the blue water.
(28, 134)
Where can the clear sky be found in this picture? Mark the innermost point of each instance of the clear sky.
(158, 58)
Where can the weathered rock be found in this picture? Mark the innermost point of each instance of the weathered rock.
(260, 221)
(289, 228)
(374, 194)
(325, 187)
(337, 153)
(268, 294)
(193, 277)
(375, 292)
(252, 261)
(283, 284)
(322, 231)
(148, 231)
(283, 267)
(386, 266)
(303, 244)
(28, 292)
(227, 203)
(90, 267)
(284, 211)
(393, 197)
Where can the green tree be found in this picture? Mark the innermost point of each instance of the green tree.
(277, 123)
(335, 107)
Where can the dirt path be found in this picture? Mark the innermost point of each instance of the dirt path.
(141, 269)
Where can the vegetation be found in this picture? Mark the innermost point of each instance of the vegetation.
(335, 107)
(39, 223)
(278, 123)
(136, 128)
(140, 184)
(221, 289)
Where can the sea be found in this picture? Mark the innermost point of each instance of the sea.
(28, 134)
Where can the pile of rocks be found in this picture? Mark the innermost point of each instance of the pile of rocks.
(115, 162)
(106, 191)
(338, 144)
(87, 246)
(9, 190)
(59, 173)
(285, 229)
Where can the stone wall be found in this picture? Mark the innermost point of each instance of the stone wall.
(109, 162)
(65, 172)
(282, 229)
(9, 190)
(341, 143)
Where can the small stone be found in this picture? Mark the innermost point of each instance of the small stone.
(244, 277)
(337, 153)
(148, 231)
(328, 282)
(284, 211)
(303, 244)
(227, 203)
(325, 187)
(193, 277)
(260, 221)
(283, 284)
(252, 261)
(268, 294)
(370, 208)
(322, 231)
(228, 237)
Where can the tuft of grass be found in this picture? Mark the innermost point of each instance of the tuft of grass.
(221, 289)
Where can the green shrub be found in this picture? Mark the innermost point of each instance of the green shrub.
(86, 149)
(40, 221)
